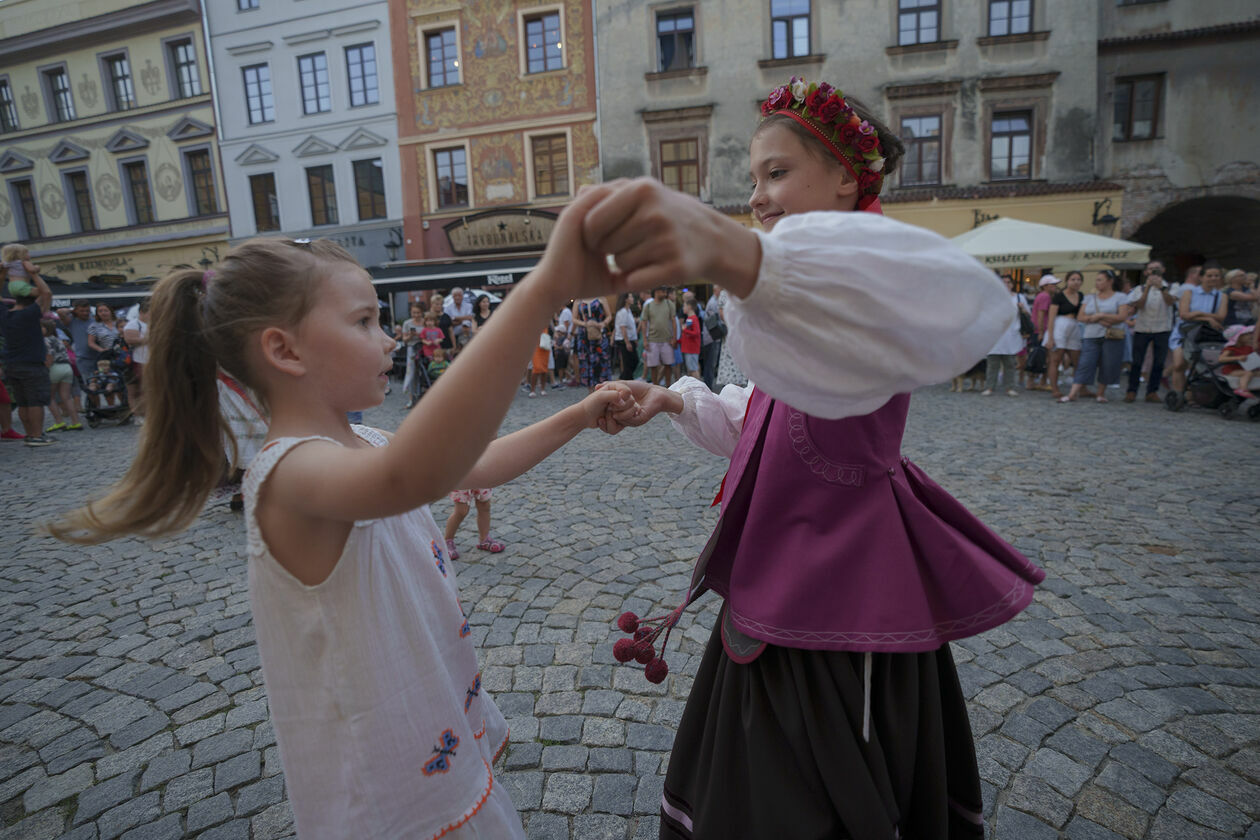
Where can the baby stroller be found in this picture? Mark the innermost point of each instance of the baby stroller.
(106, 380)
(1206, 387)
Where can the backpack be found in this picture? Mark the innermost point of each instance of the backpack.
(714, 324)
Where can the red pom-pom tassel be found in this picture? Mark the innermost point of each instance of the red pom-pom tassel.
(644, 653)
(624, 650)
(628, 622)
(642, 633)
(656, 670)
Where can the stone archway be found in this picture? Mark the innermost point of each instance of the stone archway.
(1224, 228)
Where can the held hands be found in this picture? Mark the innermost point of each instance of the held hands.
(655, 235)
(639, 403)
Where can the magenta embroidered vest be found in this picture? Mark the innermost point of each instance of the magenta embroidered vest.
(830, 540)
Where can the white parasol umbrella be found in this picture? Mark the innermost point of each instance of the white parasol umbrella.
(1011, 243)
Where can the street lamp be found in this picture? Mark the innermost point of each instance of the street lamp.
(1105, 223)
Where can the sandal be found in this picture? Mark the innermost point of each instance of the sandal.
(491, 545)
(451, 550)
(1102, 399)
(1066, 399)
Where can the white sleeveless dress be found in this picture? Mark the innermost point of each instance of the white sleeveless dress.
(383, 727)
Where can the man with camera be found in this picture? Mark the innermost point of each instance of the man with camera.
(1154, 306)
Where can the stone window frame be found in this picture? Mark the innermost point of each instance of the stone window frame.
(253, 201)
(349, 76)
(697, 38)
(917, 11)
(528, 141)
(523, 15)
(1157, 127)
(19, 214)
(680, 124)
(172, 71)
(811, 19)
(103, 59)
(73, 212)
(44, 72)
(189, 185)
(988, 18)
(358, 193)
(927, 100)
(314, 91)
(129, 199)
(334, 205)
(945, 112)
(430, 160)
(423, 31)
(249, 117)
(12, 103)
(1039, 105)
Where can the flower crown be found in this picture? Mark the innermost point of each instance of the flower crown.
(823, 110)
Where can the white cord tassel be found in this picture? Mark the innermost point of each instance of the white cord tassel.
(866, 699)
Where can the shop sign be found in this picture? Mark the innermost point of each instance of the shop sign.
(498, 231)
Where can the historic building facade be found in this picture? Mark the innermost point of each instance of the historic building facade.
(1176, 94)
(496, 116)
(308, 129)
(108, 157)
(995, 100)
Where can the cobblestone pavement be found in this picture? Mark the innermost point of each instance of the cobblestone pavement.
(1125, 702)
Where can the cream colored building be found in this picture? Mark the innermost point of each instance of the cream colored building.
(109, 167)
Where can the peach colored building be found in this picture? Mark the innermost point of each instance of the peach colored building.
(496, 122)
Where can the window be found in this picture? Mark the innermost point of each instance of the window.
(452, 177)
(1011, 146)
(922, 161)
(59, 94)
(122, 93)
(81, 215)
(258, 98)
(8, 113)
(680, 165)
(361, 69)
(201, 176)
(543, 47)
(675, 40)
(1010, 17)
(184, 62)
(1137, 108)
(319, 183)
(918, 21)
(313, 72)
(137, 178)
(443, 57)
(246, 5)
(28, 210)
(551, 165)
(369, 188)
(789, 28)
(262, 188)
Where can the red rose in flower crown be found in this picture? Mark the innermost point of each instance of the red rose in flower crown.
(823, 110)
(831, 109)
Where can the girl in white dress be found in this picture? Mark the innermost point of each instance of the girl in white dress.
(384, 728)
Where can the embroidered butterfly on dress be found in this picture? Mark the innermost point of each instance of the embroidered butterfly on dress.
(440, 763)
(472, 692)
(438, 557)
(464, 630)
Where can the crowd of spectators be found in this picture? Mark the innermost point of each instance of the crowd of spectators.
(1126, 333)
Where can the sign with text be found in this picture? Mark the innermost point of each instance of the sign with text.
(499, 231)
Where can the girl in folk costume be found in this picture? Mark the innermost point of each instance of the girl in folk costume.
(827, 704)
(383, 726)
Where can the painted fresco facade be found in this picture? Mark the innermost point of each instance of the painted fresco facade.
(488, 122)
(109, 167)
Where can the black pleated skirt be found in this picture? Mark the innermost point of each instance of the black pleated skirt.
(775, 749)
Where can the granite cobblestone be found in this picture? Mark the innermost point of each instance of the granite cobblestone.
(1124, 703)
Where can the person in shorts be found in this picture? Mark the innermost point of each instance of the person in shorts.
(64, 409)
(658, 325)
(26, 358)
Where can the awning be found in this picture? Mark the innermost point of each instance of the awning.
(476, 274)
(1011, 243)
